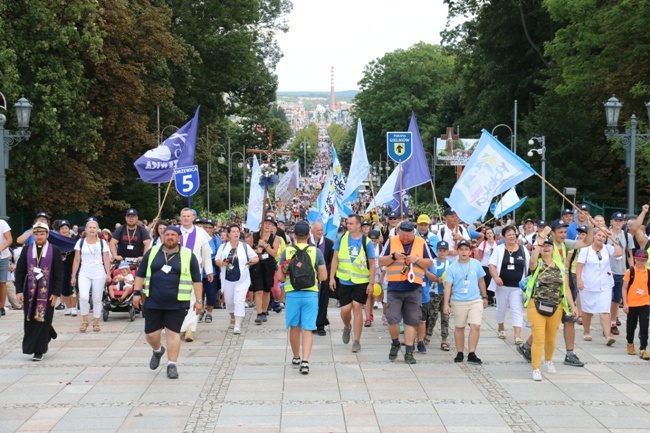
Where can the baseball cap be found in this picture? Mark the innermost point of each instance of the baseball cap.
(424, 219)
(374, 234)
(281, 220)
(529, 220)
(209, 221)
(618, 216)
(442, 245)
(641, 254)
(449, 211)
(173, 229)
(462, 243)
(92, 220)
(270, 219)
(197, 220)
(558, 224)
(124, 264)
(366, 223)
(301, 228)
(40, 227)
(548, 241)
(566, 211)
(584, 207)
(131, 212)
(406, 226)
(64, 223)
(393, 215)
(582, 229)
(42, 214)
(541, 223)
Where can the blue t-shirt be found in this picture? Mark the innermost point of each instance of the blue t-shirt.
(464, 279)
(572, 231)
(426, 296)
(354, 248)
(441, 268)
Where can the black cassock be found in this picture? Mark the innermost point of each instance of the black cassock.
(38, 334)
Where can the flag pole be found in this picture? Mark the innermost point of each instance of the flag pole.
(401, 203)
(372, 191)
(435, 199)
(165, 197)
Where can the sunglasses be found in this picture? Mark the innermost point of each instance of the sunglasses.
(600, 256)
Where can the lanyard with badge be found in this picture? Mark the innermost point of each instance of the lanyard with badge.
(166, 268)
(465, 288)
(37, 268)
(130, 237)
(511, 261)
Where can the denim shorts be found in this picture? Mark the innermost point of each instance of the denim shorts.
(4, 270)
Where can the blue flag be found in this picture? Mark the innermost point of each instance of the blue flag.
(157, 165)
(359, 167)
(415, 171)
(491, 170)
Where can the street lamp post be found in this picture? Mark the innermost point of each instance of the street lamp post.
(9, 140)
(513, 145)
(542, 152)
(209, 165)
(304, 157)
(612, 113)
(223, 160)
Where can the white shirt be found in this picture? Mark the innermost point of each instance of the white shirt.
(597, 273)
(4, 228)
(92, 263)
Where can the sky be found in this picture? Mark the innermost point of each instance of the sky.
(349, 34)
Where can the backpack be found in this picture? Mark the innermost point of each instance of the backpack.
(629, 284)
(301, 270)
(442, 232)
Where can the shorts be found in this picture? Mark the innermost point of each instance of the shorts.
(155, 320)
(301, 309)
(424, 315)
(356, 292)
(262, 277)
(465, 312)
(4, 270)
(404, 306)
(617, 290)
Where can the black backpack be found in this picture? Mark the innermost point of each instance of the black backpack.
(301, 270)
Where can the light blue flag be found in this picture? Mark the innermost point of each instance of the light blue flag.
(509, 202)
(359, 167)
(157, 165)
(255, 199)
(341, 209)
(491, 170)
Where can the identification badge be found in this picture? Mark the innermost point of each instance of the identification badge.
(265, 256)
(39, 276)
(129, 247)
(511, 267)
(37, 270)
(166, 269)
(639, 291)
(512, 260)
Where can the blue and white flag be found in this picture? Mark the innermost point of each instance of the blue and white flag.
(491, 170)
(341, 209)
(385, 194)
(288, 184)
(255, 199)
(157, 165)
(509, 202)
(359, 167)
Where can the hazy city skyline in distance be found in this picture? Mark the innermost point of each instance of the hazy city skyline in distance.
(348, 35)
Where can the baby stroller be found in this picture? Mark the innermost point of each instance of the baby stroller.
(117, 304)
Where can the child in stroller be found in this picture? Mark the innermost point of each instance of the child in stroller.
(122, 285)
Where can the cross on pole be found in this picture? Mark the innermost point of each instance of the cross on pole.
(269, 152)
(449, 138)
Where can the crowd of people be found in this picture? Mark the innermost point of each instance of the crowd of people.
(417, 273)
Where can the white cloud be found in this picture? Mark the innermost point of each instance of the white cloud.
(349, 34)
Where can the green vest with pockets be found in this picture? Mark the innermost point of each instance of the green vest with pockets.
(347, 270)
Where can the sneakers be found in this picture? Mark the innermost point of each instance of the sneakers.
(304, 367)
(459, 357)
(573, 361)
(37, 357)
(172, 372)
(264, 317)
(409, 358)
(384, 320)
(321, 332)
(188, 336)
(615, 330)
(58, 307)
(73, 312)
(346, 335)
(367, 323)
(68, 312)
(155, 358)
(208, 318)
(295, 362)
(356, 346)
(394, 350)
(526, 352)
(258, 319)
(537, 375)
(630, 349)
(236, 331)
(377, 305)
(550, 367)
(421, 347)
(473, 359)
(644, 355)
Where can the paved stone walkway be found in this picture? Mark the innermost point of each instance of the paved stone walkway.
(101, 382)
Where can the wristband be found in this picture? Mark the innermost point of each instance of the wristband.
(393, 257)
(137, 293)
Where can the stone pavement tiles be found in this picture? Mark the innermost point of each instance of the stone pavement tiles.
(101, 382)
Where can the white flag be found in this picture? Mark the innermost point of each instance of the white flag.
(288, 184)
(255, 199)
